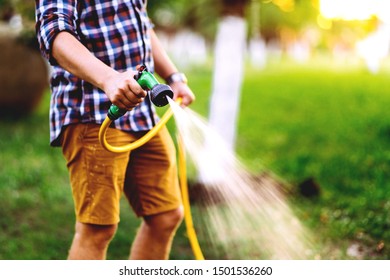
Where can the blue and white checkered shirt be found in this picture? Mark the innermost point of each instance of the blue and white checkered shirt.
(111, 31)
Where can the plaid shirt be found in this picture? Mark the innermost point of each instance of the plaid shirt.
(110, 30)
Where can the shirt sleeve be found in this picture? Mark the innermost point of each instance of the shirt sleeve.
(149, 24)
(144, 14)
(53, 17)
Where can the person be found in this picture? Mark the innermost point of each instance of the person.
(94, 48)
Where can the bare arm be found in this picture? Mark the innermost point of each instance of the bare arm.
(164, 68)
(121, 88)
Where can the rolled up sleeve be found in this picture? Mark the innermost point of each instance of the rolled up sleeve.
(53, 17)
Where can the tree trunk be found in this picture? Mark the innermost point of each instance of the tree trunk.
(229, 51)
(23, 78)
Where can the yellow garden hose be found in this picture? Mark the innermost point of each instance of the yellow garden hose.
(192, 237)
(138, 143)
(186, 202)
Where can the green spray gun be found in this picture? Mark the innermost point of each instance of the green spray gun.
(158, 92)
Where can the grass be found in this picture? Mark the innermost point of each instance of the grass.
(333, 126)
(300, 121)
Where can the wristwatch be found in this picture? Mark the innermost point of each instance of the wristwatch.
(176, 77)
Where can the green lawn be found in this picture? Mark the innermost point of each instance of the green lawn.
(300, 121)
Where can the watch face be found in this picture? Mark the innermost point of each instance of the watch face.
(177, 77)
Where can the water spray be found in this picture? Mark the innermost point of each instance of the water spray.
(240, 214)
(160, 94)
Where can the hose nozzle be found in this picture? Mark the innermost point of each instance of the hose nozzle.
(158, 92)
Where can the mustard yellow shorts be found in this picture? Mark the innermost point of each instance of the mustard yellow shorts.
(147, 175)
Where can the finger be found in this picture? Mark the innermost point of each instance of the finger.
(136, 89)
(140, 96)
(129, 104)
(184, 101)
(133, 99)
(121, 105)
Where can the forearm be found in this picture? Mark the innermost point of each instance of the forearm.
(163, 65)
(76, 59)
(120, 88)
(164, 68)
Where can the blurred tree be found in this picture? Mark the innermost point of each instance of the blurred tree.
(294, 15)
(26, 8)
(6, 10)
(202, 15)
(23, 71)
(229, 51)
(197, 15)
